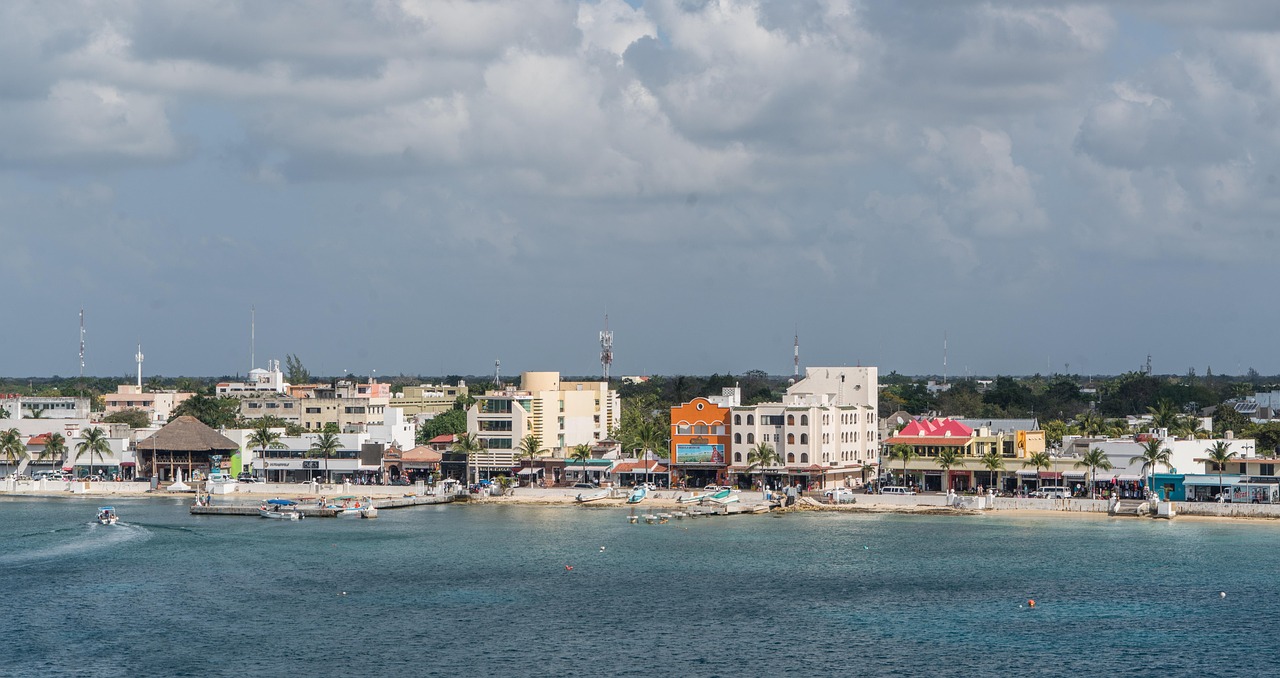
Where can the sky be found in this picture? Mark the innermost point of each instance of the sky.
(421, 187)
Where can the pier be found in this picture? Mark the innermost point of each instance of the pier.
(313, 511)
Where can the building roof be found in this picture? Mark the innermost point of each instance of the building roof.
(187, 434)
(941, 428)
(422, 455)
(443, 438)
(41, 439)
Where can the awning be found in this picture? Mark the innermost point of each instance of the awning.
(1075, 474)
(1027, 472)
(128, 463)
(1227, 481)
(68, 468)
(528, 471)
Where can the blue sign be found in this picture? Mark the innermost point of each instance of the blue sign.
(699, 454)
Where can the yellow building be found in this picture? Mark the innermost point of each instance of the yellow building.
(427, 399)
(928, 438)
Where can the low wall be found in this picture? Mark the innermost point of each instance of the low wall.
(1196, 508)
(901, 499)
(1026, 503)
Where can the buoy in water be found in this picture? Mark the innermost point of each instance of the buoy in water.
(568, 568)
(1031, 604)
(1222, 594)
(602, 549)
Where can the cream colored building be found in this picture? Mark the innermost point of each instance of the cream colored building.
(560, 414)
(824, 430)
(353, 406)
(427, 399)
(158, 404)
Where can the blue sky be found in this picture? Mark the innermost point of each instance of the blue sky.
(416, 187)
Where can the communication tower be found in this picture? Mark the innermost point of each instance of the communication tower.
(606, 348)
(795, 368)
(497, 378)
(138, 357)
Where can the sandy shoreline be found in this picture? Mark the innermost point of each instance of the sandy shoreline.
(658, 501)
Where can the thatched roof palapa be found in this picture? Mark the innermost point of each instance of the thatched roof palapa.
(188, 434)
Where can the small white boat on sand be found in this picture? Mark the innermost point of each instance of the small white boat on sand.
(107, 515)
(584, 497)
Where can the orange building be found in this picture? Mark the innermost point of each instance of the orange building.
(699, 438)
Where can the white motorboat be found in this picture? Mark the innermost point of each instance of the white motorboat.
(584, 497)
(107, 515)
(280, 509)
(725, 497)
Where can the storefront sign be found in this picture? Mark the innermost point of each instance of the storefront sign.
(699, 454)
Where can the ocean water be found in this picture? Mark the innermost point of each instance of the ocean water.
(486, 590)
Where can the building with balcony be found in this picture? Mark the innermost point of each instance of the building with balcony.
(824, 431)
(429, 399)
(560, 414)
(700, 439)
(158, 404)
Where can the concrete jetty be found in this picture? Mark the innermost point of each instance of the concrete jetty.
(310, 510)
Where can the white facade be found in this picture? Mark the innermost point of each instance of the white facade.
(46, 407)
(260, 380)
(824, 426)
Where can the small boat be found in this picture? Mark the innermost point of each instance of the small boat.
(693, 498)
(280, 509)
(638, 495)
(107, 515)
(583, 498)
(724, 497)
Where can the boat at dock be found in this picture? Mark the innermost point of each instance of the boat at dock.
(584, 497)
(637, 495)
(107, 515)
(724, 497)
(280, 509)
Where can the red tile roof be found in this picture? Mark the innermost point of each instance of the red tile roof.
(443, 438)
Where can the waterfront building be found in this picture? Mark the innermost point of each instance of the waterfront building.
(185, 444)
(262, 404)
(824, 431)
(700, 438)
(159, 405)
(1013, 440)
(561, 415)
(431, 399)
(352, 406)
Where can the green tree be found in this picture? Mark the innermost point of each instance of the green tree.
(582, 454)
(1227, 418)
(1039, 460)
(1189, 427)
(134, 417)
(55, 448)
(12, 447)
(994, 463)
(94, 444)
(262, 438)
(949, 458)
(761, 457)
(1054, 430)
(295, 373)
(904, 453)
(1165, 415)
(1154, 453)
(1093, 460)
(451, 422)
(1219, 454)
(1090, 423)
(326, 445)
(214, 412)
(468, 445)
(531, 449)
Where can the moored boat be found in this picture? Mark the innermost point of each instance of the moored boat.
(637, 495)
(280, 509)
(724, 497)
(584, 497)
(107, 515)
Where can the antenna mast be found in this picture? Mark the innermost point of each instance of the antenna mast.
(138, 357)
(795, 369)
(82, 351)
(497, 380)
(944, 358)
(253, 318)
(606, 348)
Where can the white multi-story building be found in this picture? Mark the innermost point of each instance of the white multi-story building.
(824, 430)
(44, 407)
(560, 414)
(270, 380)
(158, 404)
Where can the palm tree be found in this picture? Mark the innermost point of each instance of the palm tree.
(904, 452)
(326, 445)
(93, 443)
(262, 438)
(530, 448)
(55, 448)
(650, 436)
(761, 456)
(1093, 460)
(1189, 427)
(1220, 454)
(1038, 461)
(1164, 415)
(1153, 454)
(947, 459)
(1090, 422)
(582, 453)
(994, 463)
(468, 445)
(12, 448)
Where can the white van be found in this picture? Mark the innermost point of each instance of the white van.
(1051, 492)
(896, 489)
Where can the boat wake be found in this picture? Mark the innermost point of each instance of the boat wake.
(70, 542)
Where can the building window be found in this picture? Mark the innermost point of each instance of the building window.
(700, 429)
(804, 457)
(751, 438)
(804, 420)
(791, 457)
(751, 420)
(737, 419)
(791, 439)
(737, 437)
(791, 420)
(804, 438)
(737, 457)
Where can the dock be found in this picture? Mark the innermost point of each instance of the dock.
(313, 511)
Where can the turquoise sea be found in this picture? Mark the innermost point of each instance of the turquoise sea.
(486, 590)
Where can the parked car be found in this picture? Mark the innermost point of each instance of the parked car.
(248, 478)
(896, 489)
(839, 495)
(1051, 492)
(586, 486)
